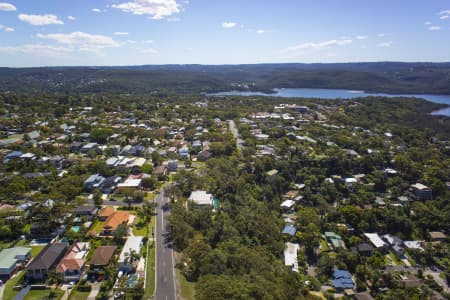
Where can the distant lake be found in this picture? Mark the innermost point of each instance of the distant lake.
(339, 94)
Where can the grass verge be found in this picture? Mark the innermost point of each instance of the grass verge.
(186, 288)
(9, 293)
(43, 294)
(151, 262)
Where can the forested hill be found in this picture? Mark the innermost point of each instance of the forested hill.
(388, 77)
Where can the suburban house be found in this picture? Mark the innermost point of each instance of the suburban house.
(93, 182)
(160, 170)
(9, 258)
(335, 240)
(437, 236)
(363, 249)
(129, 185)
(46, 261)
(102, 257)
(89, 147)
(342, 279)
(287, 205)
(289, 229)
(290, 256)
(376, 241)
(201, 198)
(422, 192)
(72, 265)
(114, 220)
(87, 212)
(110, 183)
(132, 245)
(395, 243)
(172, 165)
(106, 212)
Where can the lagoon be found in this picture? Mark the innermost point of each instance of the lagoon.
(339, 94)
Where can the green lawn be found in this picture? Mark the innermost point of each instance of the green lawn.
(35, 250)
(9, 293)
(150, 271)
(142, 231)
(77, 295)
(97, 226)
(324, 246)
(394, 259)
(187, 289)
(150, 275)
(43, 294)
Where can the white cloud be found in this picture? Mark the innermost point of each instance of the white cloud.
(381, 35)
(37, 50)
(445, 12)
(148, 42)
(318, 46)
(427, 23)
(72, 18)
(7, 6)
(444, 17)
(97, 10)
(228, 24)
(148, 51)
(361, 37)
(81, 40)
(260, 31)
(384, 44)
(120, 33)
(9, 29)
(434, 28)
(157, 9)
(39, 20)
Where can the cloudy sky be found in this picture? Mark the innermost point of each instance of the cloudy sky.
(135, 32)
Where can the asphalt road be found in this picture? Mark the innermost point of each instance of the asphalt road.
(235, 133)
(165, 262)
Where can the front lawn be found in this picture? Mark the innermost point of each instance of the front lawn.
(43, 294)
(35, 250)
(9, 293)
(77, 295)
(140, 228)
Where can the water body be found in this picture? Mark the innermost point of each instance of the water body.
(339, 94)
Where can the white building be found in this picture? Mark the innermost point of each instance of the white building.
(290, 256)
(376, 240)
(201, 198)
(133, 244)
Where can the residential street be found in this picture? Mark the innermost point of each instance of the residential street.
(165, 267)
(235, 132)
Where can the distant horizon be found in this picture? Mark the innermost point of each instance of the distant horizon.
(49, 33)
(237, 64)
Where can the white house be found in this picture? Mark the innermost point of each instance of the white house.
(201, 198)
(376, 240)
(133, 244)
(287, 205)
(290, 256)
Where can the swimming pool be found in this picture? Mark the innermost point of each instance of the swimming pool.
(75, 228)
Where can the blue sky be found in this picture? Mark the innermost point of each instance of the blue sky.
(136, 32)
